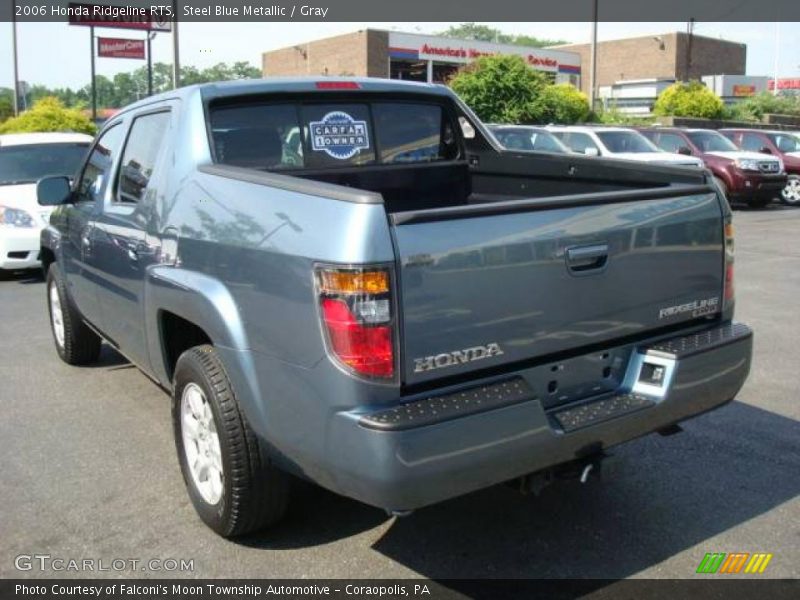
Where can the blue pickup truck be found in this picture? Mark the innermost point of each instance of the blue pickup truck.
(351, 282)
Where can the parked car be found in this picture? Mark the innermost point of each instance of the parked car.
(746, 176)
(409, 314)
(617, 142)
(527, 137)
(24, 159)
(782, 144)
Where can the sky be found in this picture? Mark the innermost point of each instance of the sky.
(56, 54)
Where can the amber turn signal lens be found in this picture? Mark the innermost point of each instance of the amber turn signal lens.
(354, 282)
(728, 230)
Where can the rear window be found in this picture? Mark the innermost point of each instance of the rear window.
(274, 136)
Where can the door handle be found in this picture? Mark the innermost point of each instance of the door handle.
(138, 249)
(586, 259)
(86, 240)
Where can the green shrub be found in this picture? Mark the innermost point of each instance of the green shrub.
(754, 108)
(691, 99)
(49, 114)
(502, 89)
(564, 103)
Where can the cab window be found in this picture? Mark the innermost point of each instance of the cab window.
(139, 158)
(94, 179)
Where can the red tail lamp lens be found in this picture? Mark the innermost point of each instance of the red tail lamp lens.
(368, 350)
(729, 289)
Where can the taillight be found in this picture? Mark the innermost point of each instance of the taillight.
(729, 284)
(356, 312)
(337, 85)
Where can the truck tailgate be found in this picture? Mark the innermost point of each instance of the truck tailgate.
(482, 291)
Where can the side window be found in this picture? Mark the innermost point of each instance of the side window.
(94, 178)
(139, 158)
(413, 133)
(579, 142)
(671, 142)
(752, 141)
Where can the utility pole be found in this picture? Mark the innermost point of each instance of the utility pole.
(14, 58)
(777, 56)
(150, 36)
(94, 87)
(593, 60)
(690, 40)
(176, 61)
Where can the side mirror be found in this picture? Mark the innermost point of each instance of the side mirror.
(589, 151)
(765, 150)
(53, 191)
(685, 150)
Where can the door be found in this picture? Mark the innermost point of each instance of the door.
(125, 243)
(78, 253)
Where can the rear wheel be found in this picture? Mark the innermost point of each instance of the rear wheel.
(76, 344)
(232, 487)
(791, 193)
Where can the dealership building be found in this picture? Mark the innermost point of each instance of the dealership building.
(408, 56)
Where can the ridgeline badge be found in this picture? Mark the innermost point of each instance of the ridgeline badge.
(339, 135)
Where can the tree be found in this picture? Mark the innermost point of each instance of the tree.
(6, 104)
(49, 114)
(484, 33)
(564, 103)
(691, 99)
(125, 88)
(502, 89)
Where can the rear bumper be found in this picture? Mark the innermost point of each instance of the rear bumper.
(19, 248)
(407, 467)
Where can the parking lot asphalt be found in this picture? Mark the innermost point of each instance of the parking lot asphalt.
(89, 471)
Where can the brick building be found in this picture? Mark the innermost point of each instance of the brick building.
(670, 56)
(409, 56)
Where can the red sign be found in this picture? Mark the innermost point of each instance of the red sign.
(785, 84)
(124, 17)
(471, 53)
(744, 90)
(120, 48)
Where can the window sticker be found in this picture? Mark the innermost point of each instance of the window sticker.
(339, 135)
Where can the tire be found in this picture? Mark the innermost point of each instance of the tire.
(790, 195)
(234, 490)
(76, 344)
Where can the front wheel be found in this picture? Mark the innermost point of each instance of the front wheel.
(232, 487)
(791, 193)
(75, 342)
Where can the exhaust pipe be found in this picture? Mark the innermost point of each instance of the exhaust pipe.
(582, 469)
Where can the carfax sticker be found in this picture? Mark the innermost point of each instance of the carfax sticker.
(339, 135)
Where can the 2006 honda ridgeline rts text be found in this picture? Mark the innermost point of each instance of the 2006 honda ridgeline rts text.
(350, 281)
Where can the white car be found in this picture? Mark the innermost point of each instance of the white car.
(24, 159)
(618, 142)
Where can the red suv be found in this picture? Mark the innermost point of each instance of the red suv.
(782, 144)
(745, 176)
